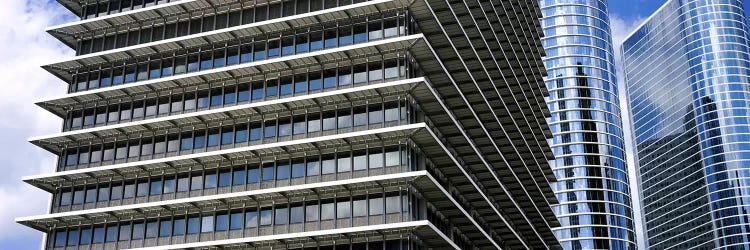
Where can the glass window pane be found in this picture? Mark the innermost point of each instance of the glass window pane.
(311, 212)
(222, 221)
(296, 214)
(251, 219)
(253, 175)
(124, 232)
(151, 229)
(210, 181)
(281, 216)
(238, 177)
(139, 230)
(165, 228)
(207, 224)
(235, 220)
(178, 227)
(327, 211)
(98, 235)
(193, 225)
(343, 209)
(156, 187)
(359, 207)
(265, 217)
(111, 233)
(376, 206)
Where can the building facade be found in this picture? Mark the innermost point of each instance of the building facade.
(688, 78)
(299, 124)
(592, 185)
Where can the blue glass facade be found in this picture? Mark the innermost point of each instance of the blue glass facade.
(688, 76)
(595, 207)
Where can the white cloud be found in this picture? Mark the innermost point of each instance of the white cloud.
(25, 46)
(621, 27)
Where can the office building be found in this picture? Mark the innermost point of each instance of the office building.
(299, 124)
(592, 185)
(687, 76)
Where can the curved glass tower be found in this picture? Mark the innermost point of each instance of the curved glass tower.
(595, 208)
(688, 79)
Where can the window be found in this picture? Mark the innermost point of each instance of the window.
(65, 198)
(269, 129)
(85, 236)
(392, 158)
(360, 160)
(210, 181)
(199, 139)
(60, 237)
(313, 167)
(178, 227)
(225, 178)
(344, 119)
(129, 190)
(186, 143)
(193, 225)
(282, 171)
(213, 137)
(196, 182)
(314, 81)
(111, 233)
(359, 207)
(299, 125)
(238, 177)
(78, 196)
(296, 214)
(138, 231)
(268, 170)
(298, 169)
(151, 229)
(285, 127)
(311, 212)
(253, 175)
(98, 235)
(226, 136)
(251, 219)
(255, 132)
(392, 204)
(375, 158)
(329, 165)
(165, 228)
(155, 187)
(240, 134)
(124, 232)
(327, 211)
(142, 189)
(301, 42)
(116, 193)
(313, 123)
(183, 184)
(235, 220)
(169, 185)
(91, 195)
(376, 206)
(343, 210)
(207, 224)
(222, 221)
(329, 120)
(265, 217)
(282, 216)
(73, 238)
(344, 163)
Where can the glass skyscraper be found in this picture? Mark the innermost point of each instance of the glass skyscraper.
(299, 124)
(592, 185)
(688, 75)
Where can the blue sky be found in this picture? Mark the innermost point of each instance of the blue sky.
(25, 46)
